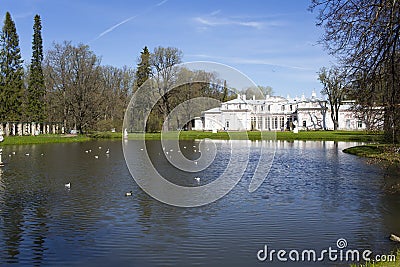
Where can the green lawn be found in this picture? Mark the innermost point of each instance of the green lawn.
(360, 136)
(43, 139)
(387, 152)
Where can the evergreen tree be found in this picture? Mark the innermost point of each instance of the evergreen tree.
(225, 93)
(143, 68)
(143, 73)
(11, 73)
(35, 105)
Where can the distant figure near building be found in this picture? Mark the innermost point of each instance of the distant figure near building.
(276, 113)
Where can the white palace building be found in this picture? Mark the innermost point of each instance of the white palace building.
(276, 113)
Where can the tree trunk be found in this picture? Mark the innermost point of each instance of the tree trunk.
(337, 119)
(334, 118)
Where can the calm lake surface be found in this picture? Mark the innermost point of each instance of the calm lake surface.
(313, 195)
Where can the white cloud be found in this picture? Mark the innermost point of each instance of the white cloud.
(129, 19)
(212, 21)
(162, 2)
(114, 27)
(215, 12)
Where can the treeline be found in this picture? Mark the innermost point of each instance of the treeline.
(83, 94)
(169, 87)
(365, 38)
(68, 84)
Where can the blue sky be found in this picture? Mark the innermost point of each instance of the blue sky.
(273, 42)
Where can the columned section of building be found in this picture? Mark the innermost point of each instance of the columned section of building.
(276, 113)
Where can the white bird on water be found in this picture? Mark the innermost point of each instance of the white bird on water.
(197, 179)
(96, 157)
(68, 186)
(128, 194)
(108, 151)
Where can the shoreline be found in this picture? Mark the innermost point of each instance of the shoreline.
(343, 136)
(43, 139)
(381, 152)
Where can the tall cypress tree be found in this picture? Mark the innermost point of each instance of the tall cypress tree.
(11, 73)
(143, 70)
(35, 104)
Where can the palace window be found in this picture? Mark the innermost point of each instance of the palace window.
(283, 107)
(282, 122)
(359, 124)
(253, 123)
(304, 123)
(348, 123)
(275, 123)
(227, 124)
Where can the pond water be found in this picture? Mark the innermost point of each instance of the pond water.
(313, 195)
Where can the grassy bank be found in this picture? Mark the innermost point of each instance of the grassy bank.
(348, 136)
(43, 139)
(359, 136)
(105, 135)
(385, 152)
(395, 263)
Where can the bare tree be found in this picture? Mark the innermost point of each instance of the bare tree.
(73, 78)
(369, 101)
(333, 81)
(194, 84)
(365, 36)
(163, 61)
(266, 90)
(117, 89)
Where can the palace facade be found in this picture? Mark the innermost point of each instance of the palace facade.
(276, 113)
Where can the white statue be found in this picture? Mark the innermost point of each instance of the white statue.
(295, 128)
